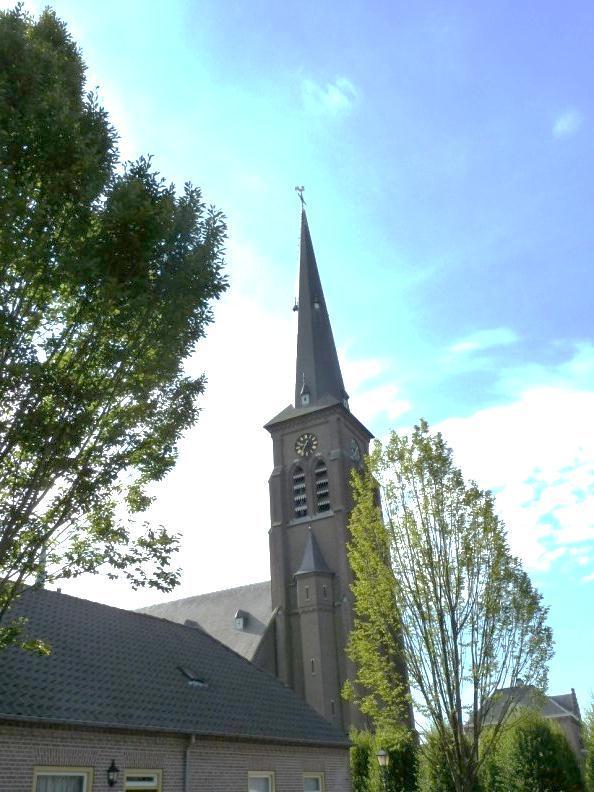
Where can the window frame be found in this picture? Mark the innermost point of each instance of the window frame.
(269, 774)
(64, 770)
(303, 508)
(139, 771)
(317, 775)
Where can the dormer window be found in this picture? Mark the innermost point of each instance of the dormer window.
(322, 487)
(241, 620)
(299, 493)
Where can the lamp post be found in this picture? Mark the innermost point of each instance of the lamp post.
(383, 759)
(112, 773)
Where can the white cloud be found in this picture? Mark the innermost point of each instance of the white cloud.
(567, 124)
(484, 339)
(335, 98)
(537, 454)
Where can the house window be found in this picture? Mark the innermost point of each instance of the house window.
(322, 487)
(260, 782)
(313, 665)
(313, 782)
(146, 780)
(299, 493)
(62, 779)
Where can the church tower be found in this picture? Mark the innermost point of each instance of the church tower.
(316, 443)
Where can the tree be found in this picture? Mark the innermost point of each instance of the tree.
(400, 775)
(106, 277)
(589, 745)
(533, 755)
(438, 592)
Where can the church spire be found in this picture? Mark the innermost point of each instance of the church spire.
(318, 371)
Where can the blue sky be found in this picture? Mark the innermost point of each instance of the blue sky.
(446, 150)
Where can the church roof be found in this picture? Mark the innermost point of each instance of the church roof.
(313, 560)
(111, 668)
(318, 369)
(325, 403)
(215, 614)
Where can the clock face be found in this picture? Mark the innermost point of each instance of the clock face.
(306, 444)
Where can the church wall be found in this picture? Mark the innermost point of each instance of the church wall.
(212, 764)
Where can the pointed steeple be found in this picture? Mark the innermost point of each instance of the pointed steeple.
(318, 371)
(313, 560)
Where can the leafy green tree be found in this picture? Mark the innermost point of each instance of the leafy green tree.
(533, 755)
(361, 759)
(401, 773)
(434, 772)
(588, 734)
(438, 593)
(106, 281)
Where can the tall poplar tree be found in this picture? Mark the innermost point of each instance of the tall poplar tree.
(438, 591)
(107, 276)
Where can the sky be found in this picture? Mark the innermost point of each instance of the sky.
(447, 153)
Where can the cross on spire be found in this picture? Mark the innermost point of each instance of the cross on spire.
(300, 190)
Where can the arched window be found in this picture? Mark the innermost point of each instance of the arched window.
(299, 493)
(322, 487)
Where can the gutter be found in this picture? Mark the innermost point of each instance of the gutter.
(191, 742)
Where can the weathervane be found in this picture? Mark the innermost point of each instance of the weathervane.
(300, 191)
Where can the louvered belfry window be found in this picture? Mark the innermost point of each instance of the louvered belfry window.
(299, 493)
(322, 487)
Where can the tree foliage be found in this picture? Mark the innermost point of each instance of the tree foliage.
(401, 773)
(361, 760)
(438, 592)
(588, 735)
(533, 755)
(106, 280)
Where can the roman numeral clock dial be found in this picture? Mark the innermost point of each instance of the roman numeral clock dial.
(306, 444)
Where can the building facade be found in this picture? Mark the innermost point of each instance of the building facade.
(148, 704)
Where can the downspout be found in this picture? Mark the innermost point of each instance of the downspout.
(191, 742)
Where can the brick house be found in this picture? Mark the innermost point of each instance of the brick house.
(165, 706)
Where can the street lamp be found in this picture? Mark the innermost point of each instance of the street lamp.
(383, 759)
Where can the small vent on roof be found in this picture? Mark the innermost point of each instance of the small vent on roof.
(193, 679)
(241, 620)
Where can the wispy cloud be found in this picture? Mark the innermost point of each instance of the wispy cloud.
(484, 339)
(567, 124)
(536, 452)
(333, 98)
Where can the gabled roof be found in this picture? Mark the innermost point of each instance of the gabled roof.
(528, 696)
(569, 702)
(313, 560)
(115, 669)
(215, 614)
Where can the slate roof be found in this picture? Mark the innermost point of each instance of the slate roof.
(313, 560)
(119, 669)
(569, 702)
(324, 403)
(215, 613)
(317, 368)
(530, 697)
